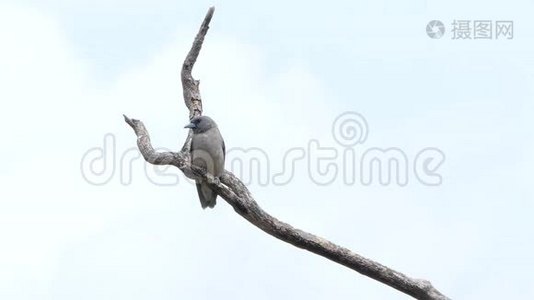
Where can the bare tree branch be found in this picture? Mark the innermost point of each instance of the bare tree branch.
(233, 191)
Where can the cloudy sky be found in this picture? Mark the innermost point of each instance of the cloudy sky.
(83, 217)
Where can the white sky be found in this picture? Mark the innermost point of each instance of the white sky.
(274, 76)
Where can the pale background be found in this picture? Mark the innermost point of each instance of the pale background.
(274, 75)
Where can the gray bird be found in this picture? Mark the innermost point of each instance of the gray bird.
(208, 152)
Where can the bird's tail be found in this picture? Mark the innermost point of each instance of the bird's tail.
(208, 198)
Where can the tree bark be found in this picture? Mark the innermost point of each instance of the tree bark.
(233, 191)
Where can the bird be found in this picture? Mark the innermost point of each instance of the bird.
(208, 152)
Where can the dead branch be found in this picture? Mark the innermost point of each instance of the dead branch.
(233, 191)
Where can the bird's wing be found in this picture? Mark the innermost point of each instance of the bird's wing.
(191, 146)
(224, 149)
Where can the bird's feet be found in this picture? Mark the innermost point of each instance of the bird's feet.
(213, 180)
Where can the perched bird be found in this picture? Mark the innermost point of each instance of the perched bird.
(208, 152)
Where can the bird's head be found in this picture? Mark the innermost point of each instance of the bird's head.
(201, 124)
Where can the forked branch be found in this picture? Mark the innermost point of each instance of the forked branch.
(233, 191)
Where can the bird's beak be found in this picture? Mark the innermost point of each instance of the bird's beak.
(190, 125)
